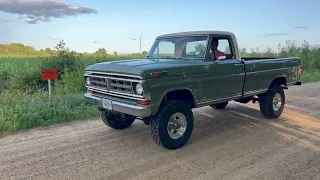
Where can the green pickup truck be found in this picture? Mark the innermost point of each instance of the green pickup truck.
(183, 71)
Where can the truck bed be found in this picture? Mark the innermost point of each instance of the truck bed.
(259, 72)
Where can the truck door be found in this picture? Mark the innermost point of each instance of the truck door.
(227, 74)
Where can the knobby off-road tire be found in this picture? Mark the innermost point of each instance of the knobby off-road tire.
(220, 105)
(273, 102)
(172, 115)
(116, 120)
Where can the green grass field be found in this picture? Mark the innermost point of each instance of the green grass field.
(24, 97)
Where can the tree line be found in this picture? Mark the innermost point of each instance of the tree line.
(14, 49)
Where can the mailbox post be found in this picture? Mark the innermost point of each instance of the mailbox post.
(48, 75)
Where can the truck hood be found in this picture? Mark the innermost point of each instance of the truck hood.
(143, 67)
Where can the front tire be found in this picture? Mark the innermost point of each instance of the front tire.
(273, 103)
(173, 124)
(116, 120)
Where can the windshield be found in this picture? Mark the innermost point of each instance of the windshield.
(179, 47)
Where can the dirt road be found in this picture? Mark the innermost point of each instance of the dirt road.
(235, 143)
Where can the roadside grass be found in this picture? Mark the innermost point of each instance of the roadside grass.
(310, 75)
(24, 98)
(21, 110)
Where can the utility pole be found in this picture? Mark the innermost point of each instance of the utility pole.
(140, 44)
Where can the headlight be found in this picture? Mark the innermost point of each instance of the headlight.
(139, 89)
(88, 83)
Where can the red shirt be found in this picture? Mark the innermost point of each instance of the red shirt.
(218, 54)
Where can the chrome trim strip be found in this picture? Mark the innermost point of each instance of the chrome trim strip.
(117, 95)
(115, 74)
(86, 75)
(134, 110)
(121, 79)
(248, 71)
(109, 77)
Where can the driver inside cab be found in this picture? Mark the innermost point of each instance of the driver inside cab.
(216, 54)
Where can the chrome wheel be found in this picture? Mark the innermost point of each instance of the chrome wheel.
(177, 125)
(276, 102)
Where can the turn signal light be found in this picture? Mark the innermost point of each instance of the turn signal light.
(301, 68)
(145, 102)
(159, 74)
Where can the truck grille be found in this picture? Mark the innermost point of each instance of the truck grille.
(98, 82)
(113, 84)
(120, 86)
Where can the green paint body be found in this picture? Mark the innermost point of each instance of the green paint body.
(207, 80)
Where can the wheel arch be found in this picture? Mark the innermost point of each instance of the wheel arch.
(183, 94)
(279, 80)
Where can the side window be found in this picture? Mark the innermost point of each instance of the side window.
(223, 48)
(196, 48)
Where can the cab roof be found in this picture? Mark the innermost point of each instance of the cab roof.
(196, 33)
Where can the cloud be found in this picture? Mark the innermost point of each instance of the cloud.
(54, 38)
(43, 10)
(301, 27)
(275, 34)
(34, 20)
(4, 20)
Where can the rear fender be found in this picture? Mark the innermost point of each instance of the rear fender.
(279, 80)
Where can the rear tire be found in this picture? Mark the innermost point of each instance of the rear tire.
(173, 124)
(273, 103)
(220, 105)
(116, 120)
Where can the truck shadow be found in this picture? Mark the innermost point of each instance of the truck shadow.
(236, 121)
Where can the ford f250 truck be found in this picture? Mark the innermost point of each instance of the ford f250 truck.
(183, 71)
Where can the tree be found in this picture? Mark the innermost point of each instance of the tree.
(200, 48)
(144, 53)
(115, 53)
(101, 52)
(48, 50)
(61, 46)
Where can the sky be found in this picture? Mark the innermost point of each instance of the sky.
(86, 25)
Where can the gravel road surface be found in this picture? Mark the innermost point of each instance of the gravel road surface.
(234, 143)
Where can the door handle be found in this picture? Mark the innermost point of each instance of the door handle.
(238, 64)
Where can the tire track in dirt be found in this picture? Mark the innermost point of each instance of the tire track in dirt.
(234, 143)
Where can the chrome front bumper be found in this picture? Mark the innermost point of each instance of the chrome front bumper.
(134, 110)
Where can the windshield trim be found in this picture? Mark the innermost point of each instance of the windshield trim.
(178, 36)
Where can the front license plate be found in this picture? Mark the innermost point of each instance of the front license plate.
(107, 104)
